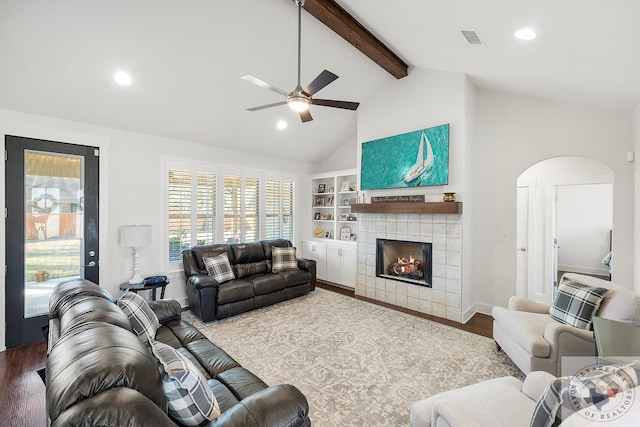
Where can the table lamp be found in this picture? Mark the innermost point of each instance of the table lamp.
(135, 236)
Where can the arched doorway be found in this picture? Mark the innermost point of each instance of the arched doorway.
(565, 216)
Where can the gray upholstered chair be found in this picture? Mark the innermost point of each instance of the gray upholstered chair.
(537, 342)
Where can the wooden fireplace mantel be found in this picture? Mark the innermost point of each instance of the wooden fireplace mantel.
(419, 208)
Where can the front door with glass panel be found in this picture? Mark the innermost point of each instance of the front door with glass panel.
(51, 227)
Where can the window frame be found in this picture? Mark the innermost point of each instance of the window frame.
(219, 172)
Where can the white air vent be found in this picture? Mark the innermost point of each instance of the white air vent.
(472, 36)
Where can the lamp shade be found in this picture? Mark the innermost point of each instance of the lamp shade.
(135, 235)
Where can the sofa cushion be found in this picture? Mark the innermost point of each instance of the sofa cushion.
(249, 269)
(267, 283)
(143, 320)
(245, 253)
(89, 308)
(95, 357)
(219, 267)
(576, 304)
(207, 251)
(527, 329)
(283, 259)
(295, 277)
(236, 290)
(214, 359)
(191, 402)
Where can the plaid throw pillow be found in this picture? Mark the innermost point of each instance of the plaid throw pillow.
(191, 402)
(566, 395)
(219, 267)
(143, 320)
(283, 259)
(546, 410)
(576, 304)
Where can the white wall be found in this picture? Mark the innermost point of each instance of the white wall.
(636, 148)
(133, 186)
(341, 158)
(512, 132)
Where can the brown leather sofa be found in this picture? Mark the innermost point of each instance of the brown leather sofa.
(255, 285)
(99, 373)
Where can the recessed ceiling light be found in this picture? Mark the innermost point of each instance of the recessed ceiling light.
(282, 125)
(525, 34)
(122, 78)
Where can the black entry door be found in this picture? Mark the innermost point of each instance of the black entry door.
(51, 227)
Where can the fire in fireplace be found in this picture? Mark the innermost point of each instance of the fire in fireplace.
(404, 261)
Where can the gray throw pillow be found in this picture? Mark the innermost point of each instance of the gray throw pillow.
(576, 304)
(190, 399)
(219, 267)
(143, 320)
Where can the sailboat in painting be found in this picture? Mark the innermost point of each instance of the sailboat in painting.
(422, 164)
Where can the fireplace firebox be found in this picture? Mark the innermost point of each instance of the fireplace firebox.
(404, 261)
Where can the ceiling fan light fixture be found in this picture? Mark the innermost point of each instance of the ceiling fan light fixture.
(298, 103)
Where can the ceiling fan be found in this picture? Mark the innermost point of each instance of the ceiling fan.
(300, 99)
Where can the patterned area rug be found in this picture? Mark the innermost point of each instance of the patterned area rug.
(357, 363)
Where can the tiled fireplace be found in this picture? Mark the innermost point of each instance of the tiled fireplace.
(443, 231)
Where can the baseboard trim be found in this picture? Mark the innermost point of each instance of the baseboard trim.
(476, 307)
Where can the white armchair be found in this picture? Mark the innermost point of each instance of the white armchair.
(537, 342)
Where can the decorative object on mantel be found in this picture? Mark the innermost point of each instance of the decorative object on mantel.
(418, 208)
(413, 159)
(449, 197)
(415, 198)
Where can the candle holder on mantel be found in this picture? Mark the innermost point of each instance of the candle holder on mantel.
(449, 197)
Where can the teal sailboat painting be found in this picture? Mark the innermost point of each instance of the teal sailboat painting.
(413, 159)
(422, 164)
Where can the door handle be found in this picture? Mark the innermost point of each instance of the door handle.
(522, 249)
(91, 264)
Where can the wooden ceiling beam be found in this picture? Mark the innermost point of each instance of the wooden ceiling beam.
(342, 23)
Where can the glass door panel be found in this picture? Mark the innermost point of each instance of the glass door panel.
(54, 225)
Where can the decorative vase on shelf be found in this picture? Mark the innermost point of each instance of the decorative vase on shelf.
(449, 197)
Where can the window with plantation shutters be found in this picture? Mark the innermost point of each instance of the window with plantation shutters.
(206, 208)
(288, 201)
(241, 209)
(279, 205)
(209, 205)
(272, 206)
(179, 200)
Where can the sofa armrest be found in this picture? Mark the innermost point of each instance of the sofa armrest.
(279, 405)
(536, 383)
(200, 281)
(453, 415)
(306, 264)
(523, 304)
(166, 310)
(567, 340)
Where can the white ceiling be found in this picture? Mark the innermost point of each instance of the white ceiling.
(57, 59)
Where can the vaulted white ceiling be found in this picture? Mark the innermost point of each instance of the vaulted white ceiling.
(186, 58)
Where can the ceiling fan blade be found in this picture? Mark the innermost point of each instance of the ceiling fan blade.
(305, 116)
(256, 81)
(336, 104)
(320, 82)
(262, 107)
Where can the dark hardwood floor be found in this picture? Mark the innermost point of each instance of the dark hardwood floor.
(22, 392)
(479, 324)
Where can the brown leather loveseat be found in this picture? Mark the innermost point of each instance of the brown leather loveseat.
(255, 285)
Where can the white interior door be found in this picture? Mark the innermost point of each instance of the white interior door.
(522, 242)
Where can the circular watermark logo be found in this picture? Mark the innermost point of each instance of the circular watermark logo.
(602, 392)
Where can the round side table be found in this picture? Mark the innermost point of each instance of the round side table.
(142, 287)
